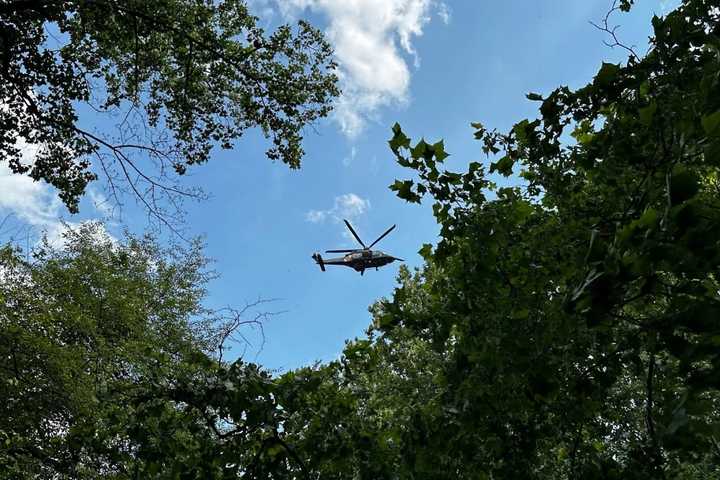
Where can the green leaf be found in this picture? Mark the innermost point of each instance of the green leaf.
(452, 178)
(711, 124)
(404, 162)
(418, 151)
(426, 252)
(440, 153)
(503, 166)
(626, 5)
(644, 89)
(521, 130)
(441, 212)
(536, 97)
(646, 113)
(153, 468)
(399, 140)
(607, 74)
(649, 218)
(584, 134)
(479, 130)
(561, 454)
(404, 191)
(684, 185)
(275, 450)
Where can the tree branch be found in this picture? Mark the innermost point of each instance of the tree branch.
(605, 27)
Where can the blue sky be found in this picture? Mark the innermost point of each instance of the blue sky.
(434, 68)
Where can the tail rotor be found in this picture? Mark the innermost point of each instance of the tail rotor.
(319, 260)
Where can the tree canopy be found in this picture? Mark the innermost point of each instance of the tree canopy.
(175, 78)
(578, 310)
(112, 368)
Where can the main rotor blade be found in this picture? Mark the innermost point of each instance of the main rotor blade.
(382, 236)
(354, 234)
(341, 251)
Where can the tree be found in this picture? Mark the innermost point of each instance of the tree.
(566, 326)
(111, 369)
(366, 415)
(176, 77)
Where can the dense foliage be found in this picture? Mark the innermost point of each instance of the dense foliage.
(110, 368)
(577, 313)
(174, 77)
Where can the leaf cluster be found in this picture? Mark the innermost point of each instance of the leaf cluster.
(175, 77)
(109, 369)
(577, 310)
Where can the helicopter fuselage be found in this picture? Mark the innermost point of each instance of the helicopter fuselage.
(358, 259)
(365, 259)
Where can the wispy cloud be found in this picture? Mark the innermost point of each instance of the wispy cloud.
(316, 216)
(347, 160)
(102, 204)
(444, 12)
(370, 37)
(348, 206)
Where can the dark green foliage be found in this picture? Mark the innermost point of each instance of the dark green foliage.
(177, 77)
(578, 313)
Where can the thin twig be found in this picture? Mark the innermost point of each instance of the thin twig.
(233, 319)
(605, 27)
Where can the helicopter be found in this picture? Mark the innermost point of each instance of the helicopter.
(358, 258)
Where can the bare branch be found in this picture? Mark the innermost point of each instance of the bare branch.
(147, 198)
(604, 26)
(232, 320)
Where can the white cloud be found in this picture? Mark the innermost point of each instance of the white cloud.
(32, 203)
(348, 206)
(365, 35)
